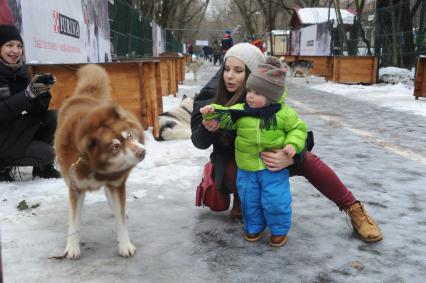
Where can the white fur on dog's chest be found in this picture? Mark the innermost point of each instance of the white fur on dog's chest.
(91, 183)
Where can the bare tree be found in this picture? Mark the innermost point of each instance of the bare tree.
(248, 11)
(174, 14)
(189, 15)
(358, 25)
(343, 40)
(357, 31)
(394, 40)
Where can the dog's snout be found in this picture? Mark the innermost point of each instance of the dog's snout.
(140, 153)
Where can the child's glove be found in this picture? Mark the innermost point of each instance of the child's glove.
(206, 110)
(40, 84)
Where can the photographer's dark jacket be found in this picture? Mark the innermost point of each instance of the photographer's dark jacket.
(19, 116)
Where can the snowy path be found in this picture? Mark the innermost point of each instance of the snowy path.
(378, 152)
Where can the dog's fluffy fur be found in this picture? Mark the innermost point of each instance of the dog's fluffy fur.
(175, 123)
(301, 67)
(97, 143)
(194, 67)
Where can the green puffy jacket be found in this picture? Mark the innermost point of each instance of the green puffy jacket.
(252, 139)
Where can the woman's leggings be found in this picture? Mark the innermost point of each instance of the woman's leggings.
(316, 172)
(40, 151)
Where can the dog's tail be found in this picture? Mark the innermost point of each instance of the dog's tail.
(93, 80)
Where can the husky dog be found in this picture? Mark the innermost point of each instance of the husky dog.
(97, 143)
(194, 67)
(175, 123)
(298, 67)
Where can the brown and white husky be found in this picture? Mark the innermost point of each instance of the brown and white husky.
(97, 143)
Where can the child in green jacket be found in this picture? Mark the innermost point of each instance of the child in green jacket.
(263, 122)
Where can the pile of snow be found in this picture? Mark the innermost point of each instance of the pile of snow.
(394, 75)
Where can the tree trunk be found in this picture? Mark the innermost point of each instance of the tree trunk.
(394, 32)
(408, 46)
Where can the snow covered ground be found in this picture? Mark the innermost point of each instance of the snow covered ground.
(374, 136)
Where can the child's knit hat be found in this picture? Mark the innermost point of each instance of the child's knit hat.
(8, 33)
(268, 79)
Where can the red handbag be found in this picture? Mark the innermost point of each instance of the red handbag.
(208, 195)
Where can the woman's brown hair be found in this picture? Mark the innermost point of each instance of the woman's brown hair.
(223, 97)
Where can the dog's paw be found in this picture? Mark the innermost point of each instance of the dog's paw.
(126, 249)
(72, 252)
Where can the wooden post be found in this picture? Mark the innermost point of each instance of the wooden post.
(142, 93)
(165, 76)
(158, 102)
(420, 82)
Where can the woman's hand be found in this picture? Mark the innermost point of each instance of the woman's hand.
(290, 150)
(211, 125)
(276, 159)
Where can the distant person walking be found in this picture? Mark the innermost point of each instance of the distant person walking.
(259, 44)
(190, 49)
(227, 42)
(217, 53)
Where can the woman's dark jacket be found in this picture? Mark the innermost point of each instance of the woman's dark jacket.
(222, 141)
(19, 116)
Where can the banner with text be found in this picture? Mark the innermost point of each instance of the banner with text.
(66, 31)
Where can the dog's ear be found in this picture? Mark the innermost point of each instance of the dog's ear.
(110, 110)
(184, 96)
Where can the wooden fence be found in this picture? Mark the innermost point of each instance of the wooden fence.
(323, 65)
(134, 86)
(179, 61)
(342, 69)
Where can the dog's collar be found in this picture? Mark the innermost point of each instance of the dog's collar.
(72, 174)
(76, 163)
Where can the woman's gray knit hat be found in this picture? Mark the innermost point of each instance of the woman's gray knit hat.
(246, 52)
(268, 79)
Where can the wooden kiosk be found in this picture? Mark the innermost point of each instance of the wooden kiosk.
(136, 85)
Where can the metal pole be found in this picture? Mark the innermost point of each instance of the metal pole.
(270, 27)
(330, 29)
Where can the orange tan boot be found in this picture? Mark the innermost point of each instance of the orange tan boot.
(253, 237)
(236, 208)
(278, 241)
(363, 224)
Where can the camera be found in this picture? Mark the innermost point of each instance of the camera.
(47, 79)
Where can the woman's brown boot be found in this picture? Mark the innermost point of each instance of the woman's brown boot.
(236, 208)
(363, 224)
